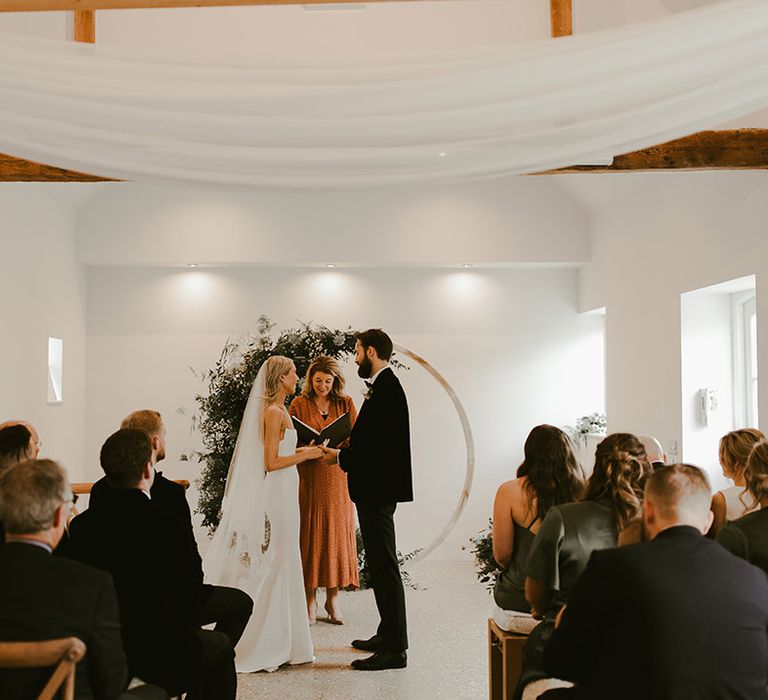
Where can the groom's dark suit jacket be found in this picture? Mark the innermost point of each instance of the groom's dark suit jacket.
(44, 597)
(145, 548)
(378, 459)
(676, 617)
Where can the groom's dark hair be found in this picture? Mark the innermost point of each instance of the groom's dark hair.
(378, 340)
(124, 456)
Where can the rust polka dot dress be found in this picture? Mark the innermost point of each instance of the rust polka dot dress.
(327, 535)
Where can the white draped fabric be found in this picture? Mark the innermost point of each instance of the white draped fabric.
(512, 109)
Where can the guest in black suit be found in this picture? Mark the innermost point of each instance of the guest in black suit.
(145, 548)
(45, 597)
(378, 466)
(674, 617)
(229, 608)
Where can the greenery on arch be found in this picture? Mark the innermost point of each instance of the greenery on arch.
(229, 383)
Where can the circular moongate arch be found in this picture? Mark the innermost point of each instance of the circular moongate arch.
(469, 445)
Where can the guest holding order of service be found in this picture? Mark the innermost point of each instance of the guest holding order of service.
(327, 536)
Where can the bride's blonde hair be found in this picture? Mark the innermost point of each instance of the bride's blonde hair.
(275, 368)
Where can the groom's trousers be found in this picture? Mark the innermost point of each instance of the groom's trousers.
(377, 526)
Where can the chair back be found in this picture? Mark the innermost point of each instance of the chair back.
(62, 653)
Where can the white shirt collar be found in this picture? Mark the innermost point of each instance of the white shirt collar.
(373, 378)
(146, 493)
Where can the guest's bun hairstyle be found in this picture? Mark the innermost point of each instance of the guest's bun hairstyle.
(276, 367)
(327, 365)
(30, 494)
(735, 448)
(621, 470)
(756, 472)
(679, 488)
(553, 475)
(124, 456)
(149, 421)
(15, 445)
(378, 340)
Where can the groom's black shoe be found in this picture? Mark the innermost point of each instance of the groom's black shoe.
(381, 661)
(372, 644)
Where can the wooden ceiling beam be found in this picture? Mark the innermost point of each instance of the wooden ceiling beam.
(730, 149)
(77, 5)
(85, 26)
(734, 149)
(19, 170)
(561, 17)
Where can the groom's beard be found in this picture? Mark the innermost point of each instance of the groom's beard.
(364, 369)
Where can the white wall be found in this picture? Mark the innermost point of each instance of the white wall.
(666, 234)
(501, 221)
(510, 342)
(43, 292)
(707, 362)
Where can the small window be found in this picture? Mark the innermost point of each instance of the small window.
(749, 309)
(745, 359)
(55, 370)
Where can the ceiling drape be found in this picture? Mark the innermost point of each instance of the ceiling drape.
(424, 118)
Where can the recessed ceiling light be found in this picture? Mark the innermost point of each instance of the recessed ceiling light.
(466, 266)
(331, 265)
(442, 154)
(193, 265)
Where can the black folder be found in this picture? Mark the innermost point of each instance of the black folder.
(335, 433)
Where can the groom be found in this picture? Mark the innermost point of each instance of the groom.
(378, 466)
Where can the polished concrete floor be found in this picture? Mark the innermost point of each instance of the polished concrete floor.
(447, 623)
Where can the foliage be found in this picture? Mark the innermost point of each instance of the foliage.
(365, 574)
(482, 549)
(593, 423)
(229, 383)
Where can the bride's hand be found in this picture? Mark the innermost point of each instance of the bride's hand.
(306, 453)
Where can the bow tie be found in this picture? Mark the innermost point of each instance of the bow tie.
(367, 383)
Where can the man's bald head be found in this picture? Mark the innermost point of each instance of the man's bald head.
(678, 494)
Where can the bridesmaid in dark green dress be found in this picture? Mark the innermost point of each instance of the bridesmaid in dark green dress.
(571, 532)
(549, 475)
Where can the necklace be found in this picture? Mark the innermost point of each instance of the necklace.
(323, 414)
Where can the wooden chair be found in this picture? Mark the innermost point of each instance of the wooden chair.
(65, 652)
(505, 661)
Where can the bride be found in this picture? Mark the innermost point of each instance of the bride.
(256, 546)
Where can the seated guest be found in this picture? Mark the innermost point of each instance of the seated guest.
(45, 597)
(17, 444)
(145, 548)
(674, 617)
(229, 608)
(747, 537)
(548, 476)
(165, 492)
(571, 532)
(732, 503)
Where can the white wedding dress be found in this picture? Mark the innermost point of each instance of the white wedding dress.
(265, 562)
(278, 631)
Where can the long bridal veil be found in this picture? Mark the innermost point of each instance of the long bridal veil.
(238, 544)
